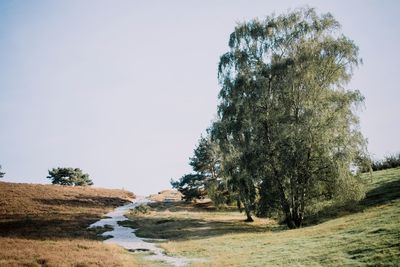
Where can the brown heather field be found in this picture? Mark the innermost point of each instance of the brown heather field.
(46, 225)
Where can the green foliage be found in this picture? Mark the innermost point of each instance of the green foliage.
(1, 173)
(206, 158)
(191, 186)
(206, 180)
(391, 161)
(141, 209)
(287, 130)
(69, 176)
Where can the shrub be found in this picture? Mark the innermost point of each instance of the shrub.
(391, 161)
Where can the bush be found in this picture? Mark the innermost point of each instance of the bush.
(391, 161)
(141, 209)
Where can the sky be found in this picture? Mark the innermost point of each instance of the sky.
(124, 89)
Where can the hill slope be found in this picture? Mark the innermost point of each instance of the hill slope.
(368, 234)
(46, 225)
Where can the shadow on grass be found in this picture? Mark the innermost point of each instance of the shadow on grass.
(59, 218)
(83, 202)
(186, 228)
(177, 206)
(183, 221)
(384, 193)
(51, 227)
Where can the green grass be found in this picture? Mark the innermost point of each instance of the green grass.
(366, 234)
(184, 221)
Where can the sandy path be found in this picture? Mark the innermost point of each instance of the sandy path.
(125, 236)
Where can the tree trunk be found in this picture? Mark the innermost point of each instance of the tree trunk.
(294, 219)
(290, 223)
(248, 214)
(239, 205)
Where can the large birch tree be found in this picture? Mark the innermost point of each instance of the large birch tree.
(287, 126)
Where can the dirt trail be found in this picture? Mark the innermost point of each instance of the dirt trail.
(125, 236)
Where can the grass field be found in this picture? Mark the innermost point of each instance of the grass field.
(367, 234)
(46, 225)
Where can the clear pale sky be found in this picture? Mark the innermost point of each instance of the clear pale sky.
(123, 89)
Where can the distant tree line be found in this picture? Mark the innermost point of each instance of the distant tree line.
(391, 161)
(286, 135)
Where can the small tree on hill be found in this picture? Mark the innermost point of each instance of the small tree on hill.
(69, 176)
(1, 173)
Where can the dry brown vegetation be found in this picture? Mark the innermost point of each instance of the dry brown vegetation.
(46, 225)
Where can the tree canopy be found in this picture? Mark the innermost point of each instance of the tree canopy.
(287, 128)
(192, 186)
(69, 176)
(205, 164)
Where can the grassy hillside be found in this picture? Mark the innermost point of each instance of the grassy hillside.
(46, 225)
(368, 234)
